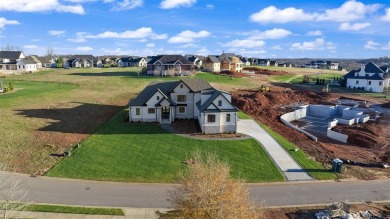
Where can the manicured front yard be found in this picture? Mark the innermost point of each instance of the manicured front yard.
(126, 152)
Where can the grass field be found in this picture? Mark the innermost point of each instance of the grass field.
(54, 109)
(74, 210)
(126, 152)
(296, 79)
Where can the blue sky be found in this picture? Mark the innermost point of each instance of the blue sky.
(252, 28)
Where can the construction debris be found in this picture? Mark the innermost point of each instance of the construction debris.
(340, 210)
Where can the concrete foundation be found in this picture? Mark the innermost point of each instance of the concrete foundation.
(342, 114)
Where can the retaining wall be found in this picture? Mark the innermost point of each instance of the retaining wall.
(297, 114)
(346, 121)
(321, 111)
(337, 136)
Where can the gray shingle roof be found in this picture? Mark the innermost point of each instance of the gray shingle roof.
(169, 59)
(216, 93)
(27, 61)
(214, 59)
(12, 55)
(81, 57)
(372, 68)
(195, 84)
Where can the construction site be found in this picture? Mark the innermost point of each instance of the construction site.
(354, 128)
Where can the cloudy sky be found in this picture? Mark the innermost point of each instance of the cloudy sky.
(252, 28)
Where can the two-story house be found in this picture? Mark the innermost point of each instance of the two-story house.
(169, 65)
(164, 102)
(369, 77)
(8, 59)
(212, 64)
(230, 62)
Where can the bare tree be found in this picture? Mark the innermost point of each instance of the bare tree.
(10, 47)
(12, 194)
(207, 191)
(50, 53)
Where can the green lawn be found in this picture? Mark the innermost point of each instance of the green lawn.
(71, 209)
(296, 79)
(126, 152)
(242, 115)
(314, 168)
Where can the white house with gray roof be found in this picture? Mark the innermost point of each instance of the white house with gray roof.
(369, 77)
(164, 102)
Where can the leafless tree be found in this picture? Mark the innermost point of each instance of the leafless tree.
(50, 53)
(10, 47)
(12, 194)
(208, 192)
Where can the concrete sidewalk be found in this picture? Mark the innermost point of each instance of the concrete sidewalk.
(130, 213)
(283, 160)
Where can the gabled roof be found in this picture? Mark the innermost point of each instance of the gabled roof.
(81, 57)
(169, 59)
(194, 84)
(12, 55)
(228, 54)
(351, 75)
(214, 59)
(210, 100)
(43, 59)
(372, 68)
(27, 61)
(385, 68)
(33, 58)
(150, 90)
(136, 59)
(125, 59)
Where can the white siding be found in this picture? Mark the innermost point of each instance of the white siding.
(225, 103)
(182, 89)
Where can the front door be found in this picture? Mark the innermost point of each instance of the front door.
(165, 112)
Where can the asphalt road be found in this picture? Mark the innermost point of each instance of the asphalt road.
(92, 193)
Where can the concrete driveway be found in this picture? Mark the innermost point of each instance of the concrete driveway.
(291, 170)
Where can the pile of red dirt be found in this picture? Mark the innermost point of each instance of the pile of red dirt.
(367, 142)
(233, 74)
(260, 71)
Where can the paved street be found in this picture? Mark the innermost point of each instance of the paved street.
(282, 159)
(92, 193)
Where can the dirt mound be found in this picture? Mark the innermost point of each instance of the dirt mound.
(260, 71)
(387, 105)
(368, 143)
(368, 135)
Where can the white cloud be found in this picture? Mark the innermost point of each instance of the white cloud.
(276, 47)
(318, 44)
(272, 14)
(247, 43)
(39, 6)
(84, 48)
(372, 45)
(168, 4)
(150, 45)
(127, 5)
(355, 26)
(143, 32)
(189, 45)
(188, 36)
(203, 52)
(275, 33)
(4, 22)
(56, 32)
(210, 6)
(250, 52)
(30, 46)
(80, 38)
(386, 17)
(315, 33)
(349, 11)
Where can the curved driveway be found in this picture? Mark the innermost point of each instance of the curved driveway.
(291, 170)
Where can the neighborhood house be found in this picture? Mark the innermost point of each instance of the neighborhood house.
(169, 65)
(164, 102)
(369, 77)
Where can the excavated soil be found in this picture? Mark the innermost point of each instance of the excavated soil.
(260, 71)
(368, 143)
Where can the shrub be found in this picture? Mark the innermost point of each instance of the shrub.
(10, 86)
